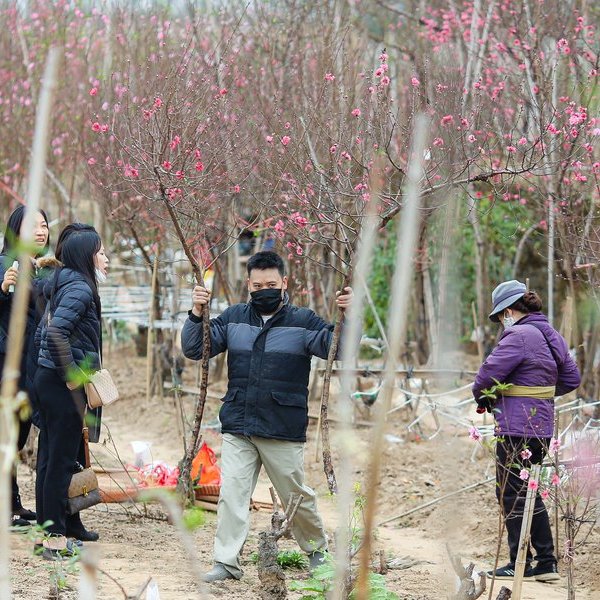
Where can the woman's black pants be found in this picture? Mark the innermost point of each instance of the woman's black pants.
(511, 491)
(60, 446)
(24, 428)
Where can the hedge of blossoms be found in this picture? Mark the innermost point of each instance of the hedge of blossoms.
(233, 120)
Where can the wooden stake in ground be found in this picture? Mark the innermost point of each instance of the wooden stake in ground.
(403, 275)
(525, 536)
(271, 575)
(88, 574)
(18, 316)
(346, 439)
(150, 342)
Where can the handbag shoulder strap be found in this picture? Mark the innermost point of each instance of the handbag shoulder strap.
(86, 447)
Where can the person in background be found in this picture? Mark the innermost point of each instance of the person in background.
(69, 338)
(534, 358)
(8, 277)
(264, 415)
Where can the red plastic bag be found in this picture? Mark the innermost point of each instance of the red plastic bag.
(211, 474)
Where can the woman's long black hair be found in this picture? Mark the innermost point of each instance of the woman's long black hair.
(13, 230)
(76, 247)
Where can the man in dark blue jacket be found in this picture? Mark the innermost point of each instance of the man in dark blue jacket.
(264, 415)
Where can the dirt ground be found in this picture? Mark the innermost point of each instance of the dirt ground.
(138, 543)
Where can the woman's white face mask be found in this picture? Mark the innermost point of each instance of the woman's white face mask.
(100, 276)
(101, 263)
(508, 320)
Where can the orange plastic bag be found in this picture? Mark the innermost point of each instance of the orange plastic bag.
(211, 474)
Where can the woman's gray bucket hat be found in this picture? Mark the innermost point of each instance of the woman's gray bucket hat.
(506, 294)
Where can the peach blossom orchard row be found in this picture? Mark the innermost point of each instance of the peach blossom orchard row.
(275, 118)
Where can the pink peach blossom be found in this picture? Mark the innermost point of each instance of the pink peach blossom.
(130, 171)
(554, 446)
(475, 434)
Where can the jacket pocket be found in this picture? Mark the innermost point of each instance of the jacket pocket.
(230, 395)
(287, 416)
(232, 412)
(287, 399)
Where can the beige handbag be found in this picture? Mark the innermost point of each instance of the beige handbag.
(83, 490)
(101, 389)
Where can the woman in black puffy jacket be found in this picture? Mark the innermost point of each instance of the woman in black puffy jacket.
(69, 339)
(8, 278)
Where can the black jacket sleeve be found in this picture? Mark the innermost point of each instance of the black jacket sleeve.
(70, 308)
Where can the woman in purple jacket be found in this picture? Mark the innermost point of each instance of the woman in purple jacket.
(534, 358)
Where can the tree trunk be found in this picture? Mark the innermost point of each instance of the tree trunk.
(480, 267)
(324, 420)
(184, 485)
(270, 573)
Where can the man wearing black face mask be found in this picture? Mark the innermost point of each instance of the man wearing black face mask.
(265, 412)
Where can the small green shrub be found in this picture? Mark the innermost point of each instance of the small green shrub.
(287, 559)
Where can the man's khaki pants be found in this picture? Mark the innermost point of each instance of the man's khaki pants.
(241, 459)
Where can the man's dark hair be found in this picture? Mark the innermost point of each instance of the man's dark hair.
(266, 260)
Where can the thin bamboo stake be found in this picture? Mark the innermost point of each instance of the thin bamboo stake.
(556, 464)
(184, 534)
(88, 578)
(477, 332)
(566, 326)
(16, 330)
(397, 320)
(346, 438)
(525, 534)
(150, 358)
